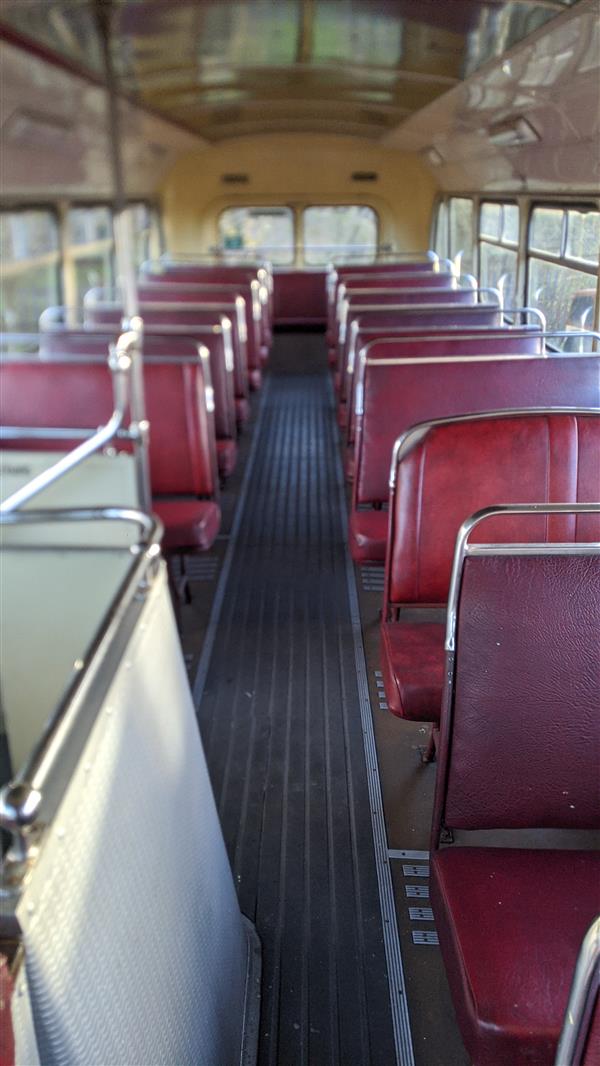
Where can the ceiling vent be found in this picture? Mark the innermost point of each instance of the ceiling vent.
(235, 179)
(364, 175)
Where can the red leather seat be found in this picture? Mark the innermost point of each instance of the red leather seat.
(189, 524)
(183, 322)
(399, 393)
(453, 469)
(520, 749)
(412, 665)
(226, 457)
(60, 390)
(511, 922)
(368, 535)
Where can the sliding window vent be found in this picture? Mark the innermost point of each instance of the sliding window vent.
(364, 175)
(235, 179)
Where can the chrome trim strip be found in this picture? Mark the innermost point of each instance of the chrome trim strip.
(585, 986)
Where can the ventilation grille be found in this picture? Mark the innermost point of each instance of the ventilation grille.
(235, 179)
(364, 175)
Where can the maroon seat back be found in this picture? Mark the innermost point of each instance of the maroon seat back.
(442, 473)
(299, 297)
(360, 282)
(343, 273)
(404, 316)
(422, 344)
(184, 322)
(66, 391)
(521, 746)
(211, 294)
(397, 394)
(247, 277)
(211, 301)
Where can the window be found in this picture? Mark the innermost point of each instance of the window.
(329, 232)
(266, 232)
(29, 267)
(498, 243)
(440, 231)
(461, 232)
(562, 267)
(90, 250)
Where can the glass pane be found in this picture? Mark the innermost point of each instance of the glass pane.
(26, 293)
(498, 264)
(440, 239)
(565, 296)
(490, 221)
(545, 233)
(266, 231)
(89, 224)
(461, 232)
(583, 235)
(329, 231)
(510, 224)
(29, 277)
(25, 234)
(344, 33)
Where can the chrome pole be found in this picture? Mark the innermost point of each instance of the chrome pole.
(124, 249)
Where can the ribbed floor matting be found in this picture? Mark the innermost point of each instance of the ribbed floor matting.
(281, 727)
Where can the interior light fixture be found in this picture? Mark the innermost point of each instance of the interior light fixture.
(433, 156)
(512, 133)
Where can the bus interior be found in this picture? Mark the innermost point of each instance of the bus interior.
(300, 533)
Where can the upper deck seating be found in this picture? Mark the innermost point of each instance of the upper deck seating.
(413, 308)
(211, 300)
(398, 393)
(217, 338)
(519, 750)
(246, 281)
(422, 344)
(299, 297)
(74, 389)
(342, 272)
(441, 472)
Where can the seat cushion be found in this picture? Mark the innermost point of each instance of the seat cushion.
(226, 456)
(190, 525)
(510, 923)
(413, 668)
(368, 535)
(255, 379)
(242, 410)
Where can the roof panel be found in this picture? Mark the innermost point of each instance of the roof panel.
(216, 64)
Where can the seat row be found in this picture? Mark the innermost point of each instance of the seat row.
(449, 408)
(207, 334)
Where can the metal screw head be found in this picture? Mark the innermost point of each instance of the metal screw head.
(19, 806)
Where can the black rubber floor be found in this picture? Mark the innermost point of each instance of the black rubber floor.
(281, 727)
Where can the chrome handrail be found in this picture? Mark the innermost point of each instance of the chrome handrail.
(120, 362)
(585, 986)
(21, 799)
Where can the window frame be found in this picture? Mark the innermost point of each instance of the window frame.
(499, 242)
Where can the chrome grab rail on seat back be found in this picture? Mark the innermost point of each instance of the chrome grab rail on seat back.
(582, 999)
(124, 357)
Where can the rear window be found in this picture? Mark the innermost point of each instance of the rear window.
(348, 230)
(265, 232)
